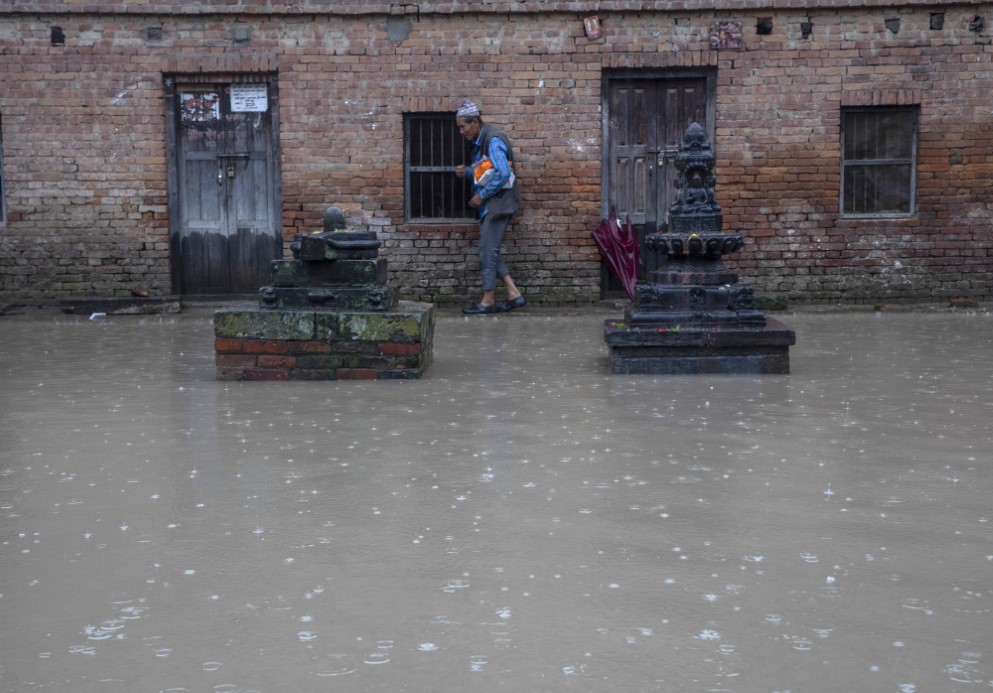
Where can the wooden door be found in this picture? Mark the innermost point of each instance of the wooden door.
(227, 193)
(646, 121)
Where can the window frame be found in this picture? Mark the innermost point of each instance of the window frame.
(3, 190)
(908, 162)
(458, 200)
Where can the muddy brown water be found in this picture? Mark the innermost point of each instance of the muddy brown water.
(518, 520)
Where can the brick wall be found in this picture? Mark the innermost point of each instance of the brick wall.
(85, 162)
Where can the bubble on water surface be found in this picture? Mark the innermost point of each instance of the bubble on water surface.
(335, 665)
(428, 647)
(454, 585)
(965, 670)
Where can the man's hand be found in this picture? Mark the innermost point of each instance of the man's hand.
(460, 171)
(476, 202)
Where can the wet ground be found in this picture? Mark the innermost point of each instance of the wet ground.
(519, 520)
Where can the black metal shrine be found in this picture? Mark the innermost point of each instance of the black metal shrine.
(693, 316)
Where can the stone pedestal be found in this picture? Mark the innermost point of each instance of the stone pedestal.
(253, 343)
(696, 349)
(328, 315)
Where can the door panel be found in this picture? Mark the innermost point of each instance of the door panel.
(227, 192)
(631, 139)
(647, 118)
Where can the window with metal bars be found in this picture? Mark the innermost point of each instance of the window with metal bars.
(3, 196)
(879, 160)
(433, 147)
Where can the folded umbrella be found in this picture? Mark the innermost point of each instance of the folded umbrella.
(619, 249)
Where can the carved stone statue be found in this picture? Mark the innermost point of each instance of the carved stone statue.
(692, 315)
(695, 209)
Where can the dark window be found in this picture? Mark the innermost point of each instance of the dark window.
(432, 149)
(3, 197)
(878, 160)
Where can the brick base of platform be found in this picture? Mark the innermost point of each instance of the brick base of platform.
(262, 344)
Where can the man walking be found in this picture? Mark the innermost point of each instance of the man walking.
(496, 196)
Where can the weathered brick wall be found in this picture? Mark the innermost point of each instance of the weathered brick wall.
(778, 124)
(84, 163)
(85, 158)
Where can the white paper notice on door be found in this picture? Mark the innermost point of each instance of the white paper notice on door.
(249, 98)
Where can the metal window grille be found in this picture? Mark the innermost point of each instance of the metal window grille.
(3, 196)
(879, 161)
(433, 147)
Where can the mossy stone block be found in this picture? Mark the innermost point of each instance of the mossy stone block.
(288, 273)
(264, 324)
(411, 322)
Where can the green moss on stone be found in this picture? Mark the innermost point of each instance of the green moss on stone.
(264, 324)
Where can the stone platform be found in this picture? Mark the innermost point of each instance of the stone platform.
(699, 349)
(253, 343)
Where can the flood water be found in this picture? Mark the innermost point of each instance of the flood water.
(519, 520)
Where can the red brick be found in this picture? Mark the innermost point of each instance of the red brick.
(227, 346)
(314, 347)
(268, 361)
(357, 373)
(400, 349)
(265, 374)
(265, 346)
(234, 360)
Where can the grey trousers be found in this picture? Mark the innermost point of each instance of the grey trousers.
(491, 264)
